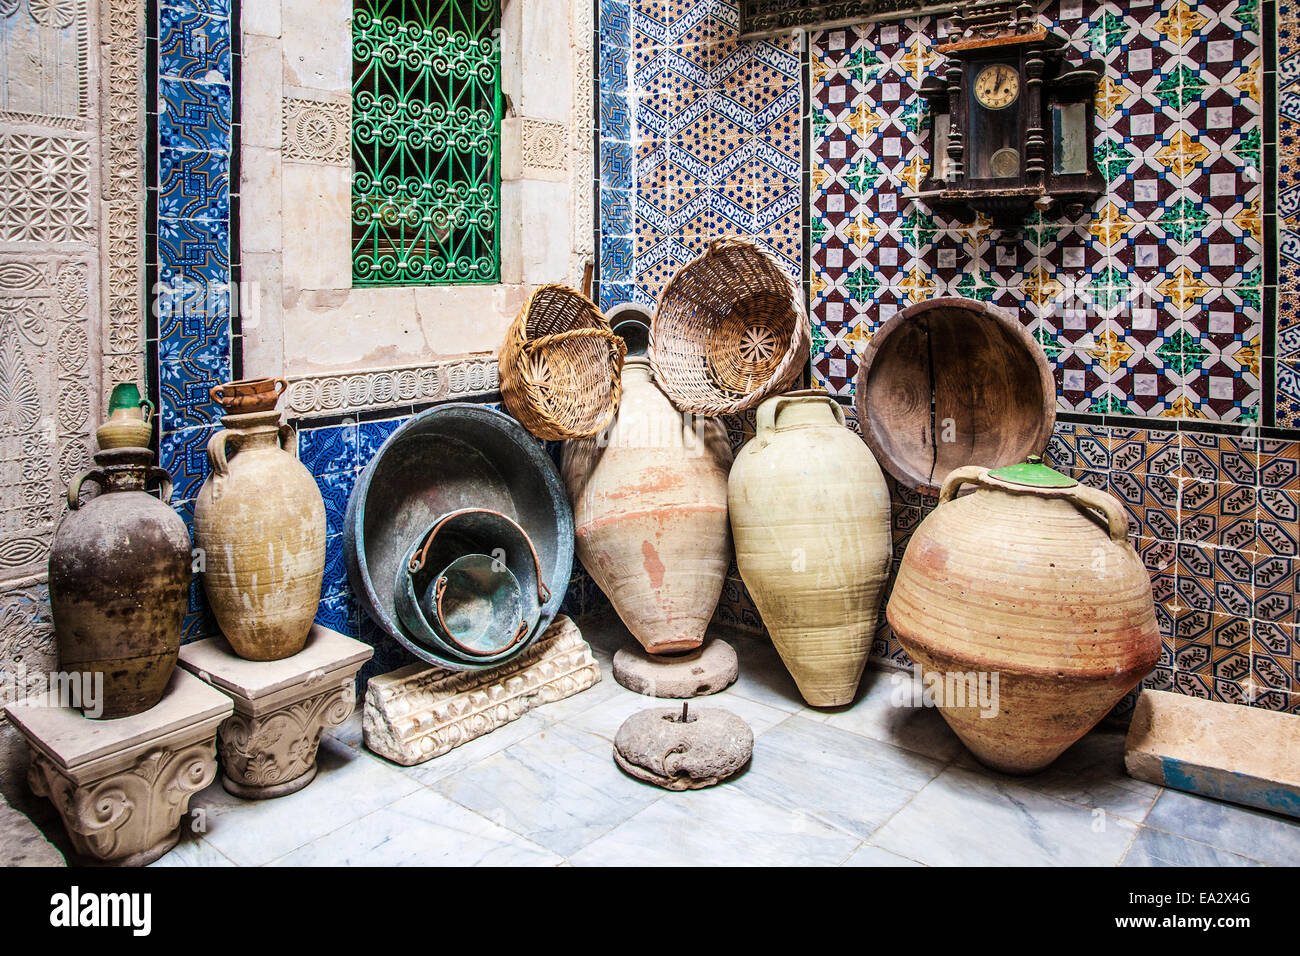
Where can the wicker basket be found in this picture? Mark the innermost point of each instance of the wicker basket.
(561, 366)
(730, 330)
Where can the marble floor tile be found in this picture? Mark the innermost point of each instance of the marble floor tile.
(875, 714)
(833, 776)
(191, 850)
(868, 855)
(964, 818)
(480, 748)
(551, 789)
(348, 785)
(1157, 848)
(421, 829)
(1091, 773)
(717, 827)
(763, 676)
(349, 732)
(1250, 833)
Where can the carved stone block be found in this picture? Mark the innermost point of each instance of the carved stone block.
(268, 745)
(121, 786)
(420, 712)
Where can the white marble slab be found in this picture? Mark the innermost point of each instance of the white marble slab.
(1157, 848)
(964, 818)
(192, 851)
(868, 855)
(348, 785)
(875, 714)
(1250, 833)
(838, 778)
(421, 829)
(718, 827)
(1091, 774)
(551, 789)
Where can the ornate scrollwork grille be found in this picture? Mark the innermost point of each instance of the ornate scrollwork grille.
(426, 136)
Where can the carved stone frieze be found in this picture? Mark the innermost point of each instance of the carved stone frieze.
(46, 81)
(316, 131)
(46, 197)
(544, 145)
(420, 712)
(331, 394)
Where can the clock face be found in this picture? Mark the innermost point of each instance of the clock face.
(997, 86)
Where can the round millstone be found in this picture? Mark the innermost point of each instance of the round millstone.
(710, 668)
(658, 747)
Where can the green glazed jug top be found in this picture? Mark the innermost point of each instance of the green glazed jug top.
(1032, 473)
(126, 395)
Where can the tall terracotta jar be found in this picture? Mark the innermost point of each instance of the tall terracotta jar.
(1030, 579)
(810, 517)
(650, 514)
(119, 581)
(260, 522)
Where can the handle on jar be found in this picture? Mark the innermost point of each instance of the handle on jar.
(765, 420)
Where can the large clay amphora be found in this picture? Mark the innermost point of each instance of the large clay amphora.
(650, 514)
(260, 523)
(1030, 581)
(810, 517)
(119, 583)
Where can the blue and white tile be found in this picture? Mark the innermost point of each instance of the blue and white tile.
(194, 116)
(193, 251)
(194, 185)
(184, 455)
(328, 450)
(193, 46)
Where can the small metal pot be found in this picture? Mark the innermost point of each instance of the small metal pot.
(464, 551)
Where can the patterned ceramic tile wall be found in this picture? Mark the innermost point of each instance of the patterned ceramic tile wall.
(1149, 305)
(1288, 213)
(192, 332)
(700, 137)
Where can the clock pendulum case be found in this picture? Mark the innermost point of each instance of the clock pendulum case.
(1012, 121)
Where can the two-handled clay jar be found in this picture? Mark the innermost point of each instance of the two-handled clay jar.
(1030, 580)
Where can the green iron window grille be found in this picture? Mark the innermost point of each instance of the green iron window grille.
(426, 138)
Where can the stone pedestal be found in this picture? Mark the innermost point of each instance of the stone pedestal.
(268, 745)
(709, 669)
(420, 712)
(121, 786)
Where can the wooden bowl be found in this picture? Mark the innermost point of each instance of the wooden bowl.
(952, 382)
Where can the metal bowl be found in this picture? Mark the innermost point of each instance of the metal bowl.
(445, 459)
(432, 557)
(476, 606)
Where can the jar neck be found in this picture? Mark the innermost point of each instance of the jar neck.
(813, 411)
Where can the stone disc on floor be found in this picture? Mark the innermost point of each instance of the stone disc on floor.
(711, 668)
(659, 747)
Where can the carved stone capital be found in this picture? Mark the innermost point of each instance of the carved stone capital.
(122, 786)
(268, 745)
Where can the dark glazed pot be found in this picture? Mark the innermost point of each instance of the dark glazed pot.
(445, 459)
(119, 581)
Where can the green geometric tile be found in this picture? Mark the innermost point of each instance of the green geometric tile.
(1182, 352)
(1112, 157)
(1184, 220)
(862, 284)
(1179, 87)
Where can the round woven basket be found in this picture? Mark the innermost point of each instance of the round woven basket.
(729, 331)
(561, 366)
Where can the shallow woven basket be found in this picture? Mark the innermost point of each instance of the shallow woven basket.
(561, 365)
(729, 331)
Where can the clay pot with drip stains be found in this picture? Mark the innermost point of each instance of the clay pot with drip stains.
(1031, 578)
(260, 522)
(650, 514)
(815, 564)
(119, 578)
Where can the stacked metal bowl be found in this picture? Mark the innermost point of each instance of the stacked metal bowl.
(459, 538)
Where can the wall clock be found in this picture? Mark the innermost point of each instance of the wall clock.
(1012, 121)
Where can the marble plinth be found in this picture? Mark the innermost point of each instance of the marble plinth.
(121, 786)
(1245, 755)
(268, 745)
(419, 712)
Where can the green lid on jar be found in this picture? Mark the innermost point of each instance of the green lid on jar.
(1033, 474)
(124, 395)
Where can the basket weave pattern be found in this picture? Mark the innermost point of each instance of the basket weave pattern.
(561, 366)
(730, 330)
